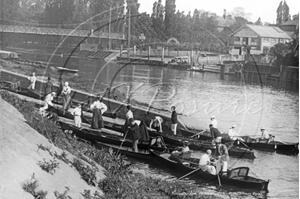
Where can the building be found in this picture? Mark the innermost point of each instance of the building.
(291, 28)
(259, 38)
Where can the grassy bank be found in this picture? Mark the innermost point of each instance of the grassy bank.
(120, 181)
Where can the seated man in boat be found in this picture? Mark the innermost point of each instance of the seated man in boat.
(181, 150)
(205, 163)
(223, 157)
(232, 133)
(156, 124)
(265, 136)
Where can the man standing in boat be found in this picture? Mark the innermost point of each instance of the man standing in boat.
(48, 87)
(98, 109)
(128, 115)
(174, 120)
(32, 81)
(215, 134)
(214, 122)
(223, 157)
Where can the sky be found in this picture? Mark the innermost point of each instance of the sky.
(265, 9)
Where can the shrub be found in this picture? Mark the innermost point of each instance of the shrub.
(31, 186)
(49, 167)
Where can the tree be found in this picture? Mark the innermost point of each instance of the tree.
(59, 12)
(296, 17)
(169, 15)
(258, 22)
(158, 17)
(9, 11)
(283, 15)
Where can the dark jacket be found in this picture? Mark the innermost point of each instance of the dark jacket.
(134, 132)
(174, 119)
(215, 132)
(48, 87)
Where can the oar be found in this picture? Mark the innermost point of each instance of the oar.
(198, 134)
(122, 141)
(188, 174)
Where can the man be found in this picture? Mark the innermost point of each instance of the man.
(264, 134)
(181, 150)
(48, 102)
(215, 134)
(205, 163)
(66, 92)
(48, 87)
(223, 157)
(128, 115)
(32, 81)
(232, 133)
(174, 120)
(214, 122)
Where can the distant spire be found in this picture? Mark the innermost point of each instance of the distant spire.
(224, 15)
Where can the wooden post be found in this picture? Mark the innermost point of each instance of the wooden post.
(134, 51)
(162, 54)
(121, 50)
(222, 71)
(149, 53)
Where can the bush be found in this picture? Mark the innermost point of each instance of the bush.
(49, 167)
(31, 186)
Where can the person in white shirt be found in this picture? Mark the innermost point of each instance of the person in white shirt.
(264, 134)
(128, 115)
(48, 102)
(66, 92)
(205, 163)
(214, 122)
(156, 124)
(32, 81)
(98, 109)
(232, 133)
(77, 112)
(181, 150)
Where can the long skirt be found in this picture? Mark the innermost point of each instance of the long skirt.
(97, 120)
(66, 102)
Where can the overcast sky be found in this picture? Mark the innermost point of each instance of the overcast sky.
(265, 9)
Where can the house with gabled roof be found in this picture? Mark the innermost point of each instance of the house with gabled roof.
(258, 38)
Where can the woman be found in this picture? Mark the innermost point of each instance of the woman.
(129, 115)
(66, 96)
(98, 109)
(134, 134)
(156, 124)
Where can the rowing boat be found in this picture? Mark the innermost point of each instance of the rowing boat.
(237, 177)
(196, 144)
(141, 154)
(108, 136)
(258, 144)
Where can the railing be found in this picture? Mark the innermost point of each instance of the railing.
(59, 31)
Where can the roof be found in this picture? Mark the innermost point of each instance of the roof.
(292, 22)
(267, 31)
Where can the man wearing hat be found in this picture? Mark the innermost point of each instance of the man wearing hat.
(205, 163)
(223, 157)
(232, 133)
(264, 134)
(181, 150)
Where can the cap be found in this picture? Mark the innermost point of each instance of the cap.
(212, 117)
(233, 126)
(262, 128)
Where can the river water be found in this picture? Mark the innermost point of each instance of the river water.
(198, 96)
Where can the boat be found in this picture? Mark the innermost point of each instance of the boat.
(236, 177)
(109, 136)
(141, 154)
(182, 62)
(258, 144)
(62, 69)
(196, 144)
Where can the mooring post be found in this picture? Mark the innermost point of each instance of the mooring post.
(121, 50)
(162, 54)
(222, 71)
(149, 53)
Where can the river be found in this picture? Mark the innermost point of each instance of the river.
(198, 96)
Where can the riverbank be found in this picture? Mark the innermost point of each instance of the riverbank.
(36, 164)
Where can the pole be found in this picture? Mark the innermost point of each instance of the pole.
(109, 28)
(129, 27)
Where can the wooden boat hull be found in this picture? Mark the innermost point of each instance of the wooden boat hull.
(242, 181)
(196, 144)
(141, 154)
(106, 136)
(257, 144)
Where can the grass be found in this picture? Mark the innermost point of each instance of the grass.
(120, 181)
(31, 187)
